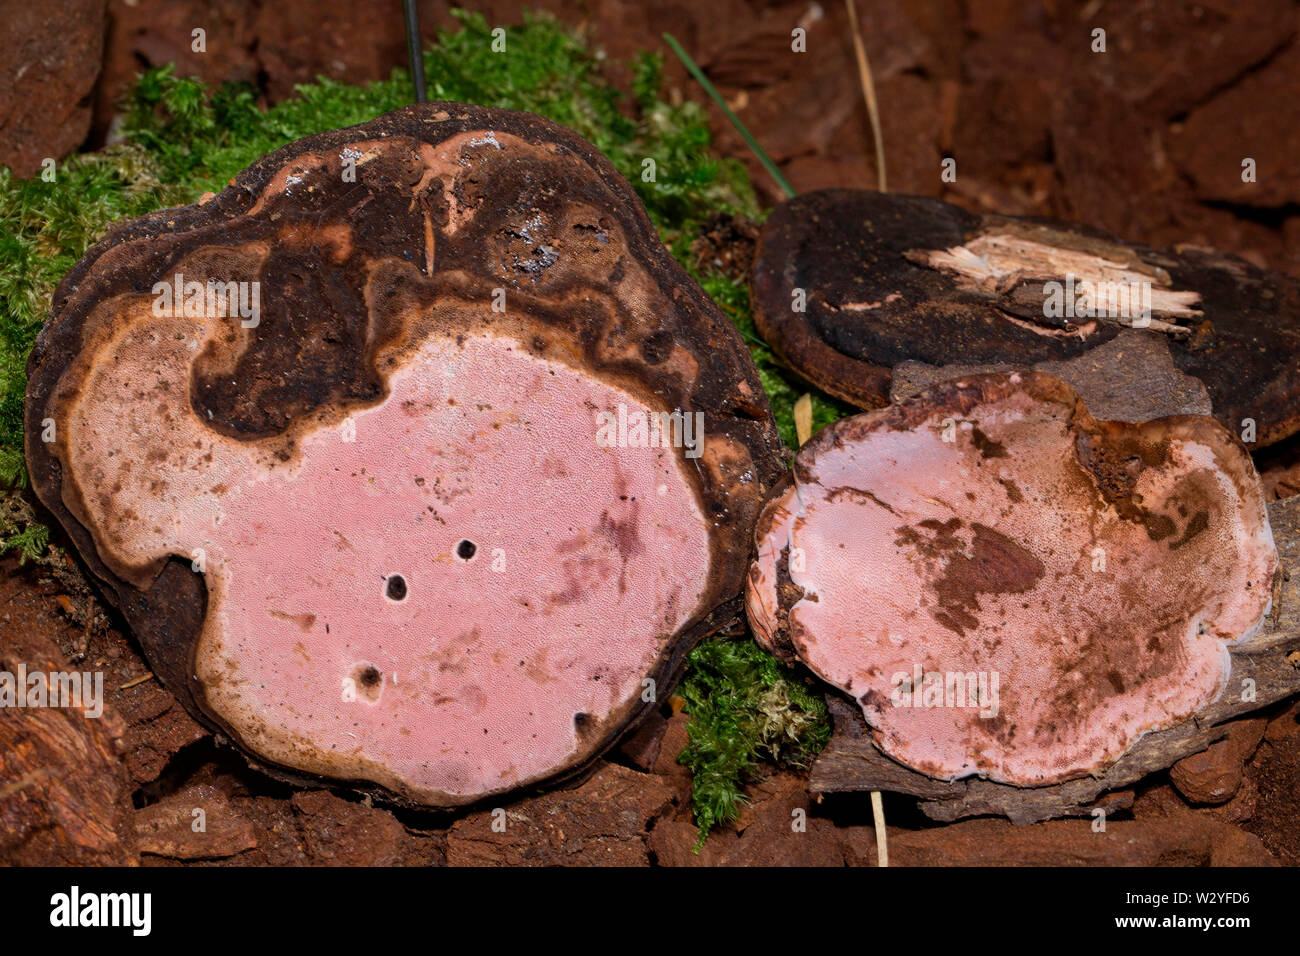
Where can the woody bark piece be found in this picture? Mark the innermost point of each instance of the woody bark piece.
(198, 823)
(51, 54)
(1131, 378)
(1215, 774)
(1263, 673)
(604, 822)
(1189, 840)
(64, 794)
(441, 507)
(848, 284)
(1211, 148)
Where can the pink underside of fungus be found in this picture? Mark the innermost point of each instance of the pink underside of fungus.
(475, 664)
(1060, 585)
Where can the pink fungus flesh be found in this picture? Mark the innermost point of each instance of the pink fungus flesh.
(482, 676)
(1009, 588)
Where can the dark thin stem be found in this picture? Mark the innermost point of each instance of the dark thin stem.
(703, 80)
(413, 49)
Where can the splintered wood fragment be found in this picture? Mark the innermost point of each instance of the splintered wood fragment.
(1004, 263)
(878, 816)
(851, 761)
(65, 799)
(887, 279)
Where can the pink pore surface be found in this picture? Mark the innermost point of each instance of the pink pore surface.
(586, 561)
(912, 551)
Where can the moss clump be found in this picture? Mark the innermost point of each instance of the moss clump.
(744, 707)
(21, 533)
(182, 139)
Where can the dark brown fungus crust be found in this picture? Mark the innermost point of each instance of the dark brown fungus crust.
(399, 527)
(890, 279)
(1008, 587)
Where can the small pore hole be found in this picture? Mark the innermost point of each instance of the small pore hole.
(368, 682)
(395, 588)
(466, 549)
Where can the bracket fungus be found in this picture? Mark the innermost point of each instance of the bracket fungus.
(849, 284)
(432, 512)
(1008, 587)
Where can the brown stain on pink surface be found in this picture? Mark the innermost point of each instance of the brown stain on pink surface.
(996, 565)
(304, 621)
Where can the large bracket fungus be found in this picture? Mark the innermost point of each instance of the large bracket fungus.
(849, 284)
(1008, 587)
(447, 499)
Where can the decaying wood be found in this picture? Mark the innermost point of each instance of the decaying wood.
(64, 796)
(849, 284)
(1131, 378)
(851, 762)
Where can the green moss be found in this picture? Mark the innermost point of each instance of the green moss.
(182, 139)
(21, 533)
(745, 708)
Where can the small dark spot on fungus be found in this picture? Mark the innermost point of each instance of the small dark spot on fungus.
(987, 447)
(466, 549)
(395, 587)
(657, 347)
(368, 682)
(1200, 521)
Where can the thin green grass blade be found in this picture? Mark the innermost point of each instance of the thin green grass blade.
(703, 80)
